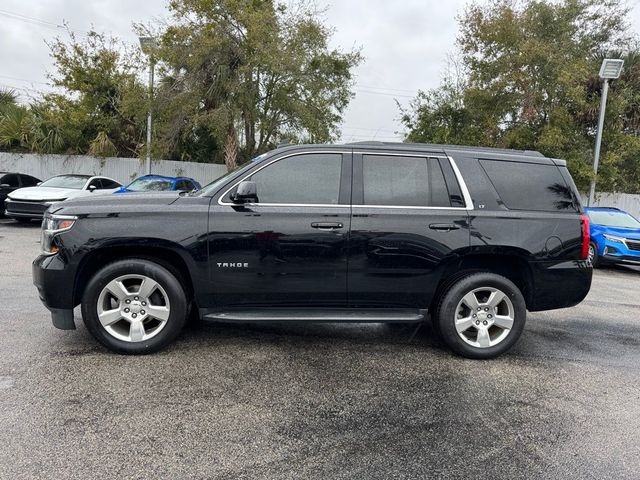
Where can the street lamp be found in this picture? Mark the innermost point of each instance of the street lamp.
(610, 70)
(148, 46)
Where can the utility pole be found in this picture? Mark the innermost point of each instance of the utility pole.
(148, 46)
(610, 70)
(152, 67)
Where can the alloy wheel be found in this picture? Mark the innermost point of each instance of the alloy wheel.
(484, 317)
(133, 308)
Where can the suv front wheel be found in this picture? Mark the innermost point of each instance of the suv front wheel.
(481, 316)
(134, 306)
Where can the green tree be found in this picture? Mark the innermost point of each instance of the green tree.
(245, 75)
(102, 108)
(530, 81)
(235, 78)
(14, 122)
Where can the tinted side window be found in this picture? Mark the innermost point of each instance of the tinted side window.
(96, 182)
(28, 181)
(302, 179)
(108, 184)
(438, 192)
(404, 181)
(530, 186)
(453, 187)
(183, 185)
(11, 180)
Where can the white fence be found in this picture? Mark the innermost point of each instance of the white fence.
(625, 201)
(121, 169)
(126, 169)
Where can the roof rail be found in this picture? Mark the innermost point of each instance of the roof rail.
(529, 153)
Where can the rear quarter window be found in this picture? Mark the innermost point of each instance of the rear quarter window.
(530, 186)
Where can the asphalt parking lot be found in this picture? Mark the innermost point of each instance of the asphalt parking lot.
(319, 401)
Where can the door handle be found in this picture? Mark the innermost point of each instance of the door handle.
(327, 225)
(444, 227)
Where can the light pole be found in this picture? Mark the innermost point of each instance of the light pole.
(610, 70)
(148, 45)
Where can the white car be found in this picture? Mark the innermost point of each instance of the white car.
(26, 204)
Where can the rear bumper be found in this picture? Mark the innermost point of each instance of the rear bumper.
(559, 285)
(54, 282)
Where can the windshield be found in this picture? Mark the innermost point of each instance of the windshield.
(614, 219)
(66, 181)
(218, 182)
(150, 185)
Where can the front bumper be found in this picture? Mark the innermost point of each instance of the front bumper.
(620, 259)
(25, 208)
(618, 252)
(54, 281)
(32, 216)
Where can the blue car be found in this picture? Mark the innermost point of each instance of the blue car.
(160, 183)
(615, 236)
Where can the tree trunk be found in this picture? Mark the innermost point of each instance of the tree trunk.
(231, 148)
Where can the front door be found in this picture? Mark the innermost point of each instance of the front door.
(407, 220)
(289, 247)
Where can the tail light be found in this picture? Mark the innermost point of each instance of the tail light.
(585, 236)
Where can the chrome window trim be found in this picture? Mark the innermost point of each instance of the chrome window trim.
(463, 186)
(220, 202)
(411, 207)
(322, 205)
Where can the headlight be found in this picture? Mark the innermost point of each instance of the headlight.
(611, 238)
(52, 226)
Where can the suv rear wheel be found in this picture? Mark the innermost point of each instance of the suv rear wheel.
(481, 315)
(134, 306)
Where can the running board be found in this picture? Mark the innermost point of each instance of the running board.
(319, 315)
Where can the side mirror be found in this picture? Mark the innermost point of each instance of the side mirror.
(245, 193)
(92, 188)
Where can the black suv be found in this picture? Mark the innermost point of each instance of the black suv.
(367, 232)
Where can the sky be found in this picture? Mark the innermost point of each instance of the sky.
(404, 43)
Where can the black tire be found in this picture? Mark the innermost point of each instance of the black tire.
(132, 266)
(446, 314)
(596, 258)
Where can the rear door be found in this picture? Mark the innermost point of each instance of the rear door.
(288, 248)
(409, 216)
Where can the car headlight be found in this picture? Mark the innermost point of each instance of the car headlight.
(614, 239)
(51, 226)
